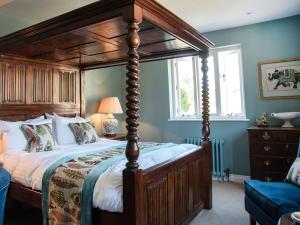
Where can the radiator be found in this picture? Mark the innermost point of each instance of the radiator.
(217, 155)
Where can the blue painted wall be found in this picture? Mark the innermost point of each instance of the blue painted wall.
(100, 84)
(9, 24)
(272, 40)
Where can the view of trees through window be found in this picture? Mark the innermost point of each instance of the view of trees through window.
(185, 86)
(225, 84)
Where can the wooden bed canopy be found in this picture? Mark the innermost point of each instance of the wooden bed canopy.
(42, 70)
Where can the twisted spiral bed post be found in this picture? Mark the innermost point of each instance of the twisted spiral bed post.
(205, 98)
(133, 92)
(206, 131)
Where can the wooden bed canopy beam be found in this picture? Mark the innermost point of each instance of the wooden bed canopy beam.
(159, 15)
(182, 53)
(36, 42)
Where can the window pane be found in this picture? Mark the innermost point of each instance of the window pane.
(229, 68)
(185, 86)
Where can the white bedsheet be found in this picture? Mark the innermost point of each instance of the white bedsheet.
(28, 169)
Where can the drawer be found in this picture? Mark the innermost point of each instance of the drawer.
(274, 149)
(271, 164)
(274, 136)
(268, 176)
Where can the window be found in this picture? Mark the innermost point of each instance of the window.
(225, 85)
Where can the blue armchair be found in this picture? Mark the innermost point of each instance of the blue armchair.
(266, 202)
(4, 183)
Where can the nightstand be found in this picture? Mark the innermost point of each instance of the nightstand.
(118, 137)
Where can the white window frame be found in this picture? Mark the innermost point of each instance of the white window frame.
(173, 84)
(173, 79)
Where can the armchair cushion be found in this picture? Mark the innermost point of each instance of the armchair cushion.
(294, 173)
(275, 198)
(4, 182)
(4, 179)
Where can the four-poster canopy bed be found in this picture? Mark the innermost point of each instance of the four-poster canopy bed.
(42, 71)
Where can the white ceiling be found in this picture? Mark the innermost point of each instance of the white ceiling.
(205, 15)
(209, 15)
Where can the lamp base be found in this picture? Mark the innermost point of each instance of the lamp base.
(110, 125)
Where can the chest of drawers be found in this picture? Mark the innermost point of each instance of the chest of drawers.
(272, 151)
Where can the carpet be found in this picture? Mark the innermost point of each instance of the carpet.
(228, 209)
(228, 206)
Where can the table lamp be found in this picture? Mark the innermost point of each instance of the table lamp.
(110, 106)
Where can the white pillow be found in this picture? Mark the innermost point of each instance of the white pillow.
(39, 118)
(15, 139)
(49, 116)
(63, 132)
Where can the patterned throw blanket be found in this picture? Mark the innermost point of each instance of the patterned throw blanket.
(69, 183)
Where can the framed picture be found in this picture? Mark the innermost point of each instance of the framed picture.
(279, 79)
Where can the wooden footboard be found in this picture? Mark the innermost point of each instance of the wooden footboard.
(170, 193)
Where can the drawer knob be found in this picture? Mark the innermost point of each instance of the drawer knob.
(267, 148)
(267, 163)
(287, 146)
(268, 179)
(266, 136)
(288, 160)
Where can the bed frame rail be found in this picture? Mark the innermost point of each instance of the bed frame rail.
(170, 193)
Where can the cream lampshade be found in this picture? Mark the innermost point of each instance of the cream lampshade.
(110, 106)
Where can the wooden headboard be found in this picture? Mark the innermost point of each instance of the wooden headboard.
(29, 88)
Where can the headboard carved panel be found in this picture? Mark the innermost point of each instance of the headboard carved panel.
(12, 83)
(30, 88)
(40, 85)
(68, 84)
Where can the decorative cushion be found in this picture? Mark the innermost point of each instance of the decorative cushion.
(294, 173)
(15, 139)
(274, 198)
(84, 133)
(39, 137)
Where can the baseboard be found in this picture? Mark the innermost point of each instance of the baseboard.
(235, 178)
(238, 178)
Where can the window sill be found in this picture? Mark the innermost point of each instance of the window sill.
(212, 119)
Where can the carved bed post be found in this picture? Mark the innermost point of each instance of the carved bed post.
(206, 129)
(133, 92)
(132, 185)
(205, 98)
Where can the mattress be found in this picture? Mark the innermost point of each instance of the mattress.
(28, 169)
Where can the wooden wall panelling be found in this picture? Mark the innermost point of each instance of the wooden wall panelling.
(12, 83)
(39, 85)
(178, 192)
(67, 86)
(31, 88)
(195, 182)
(157, 202)
(181, 193)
